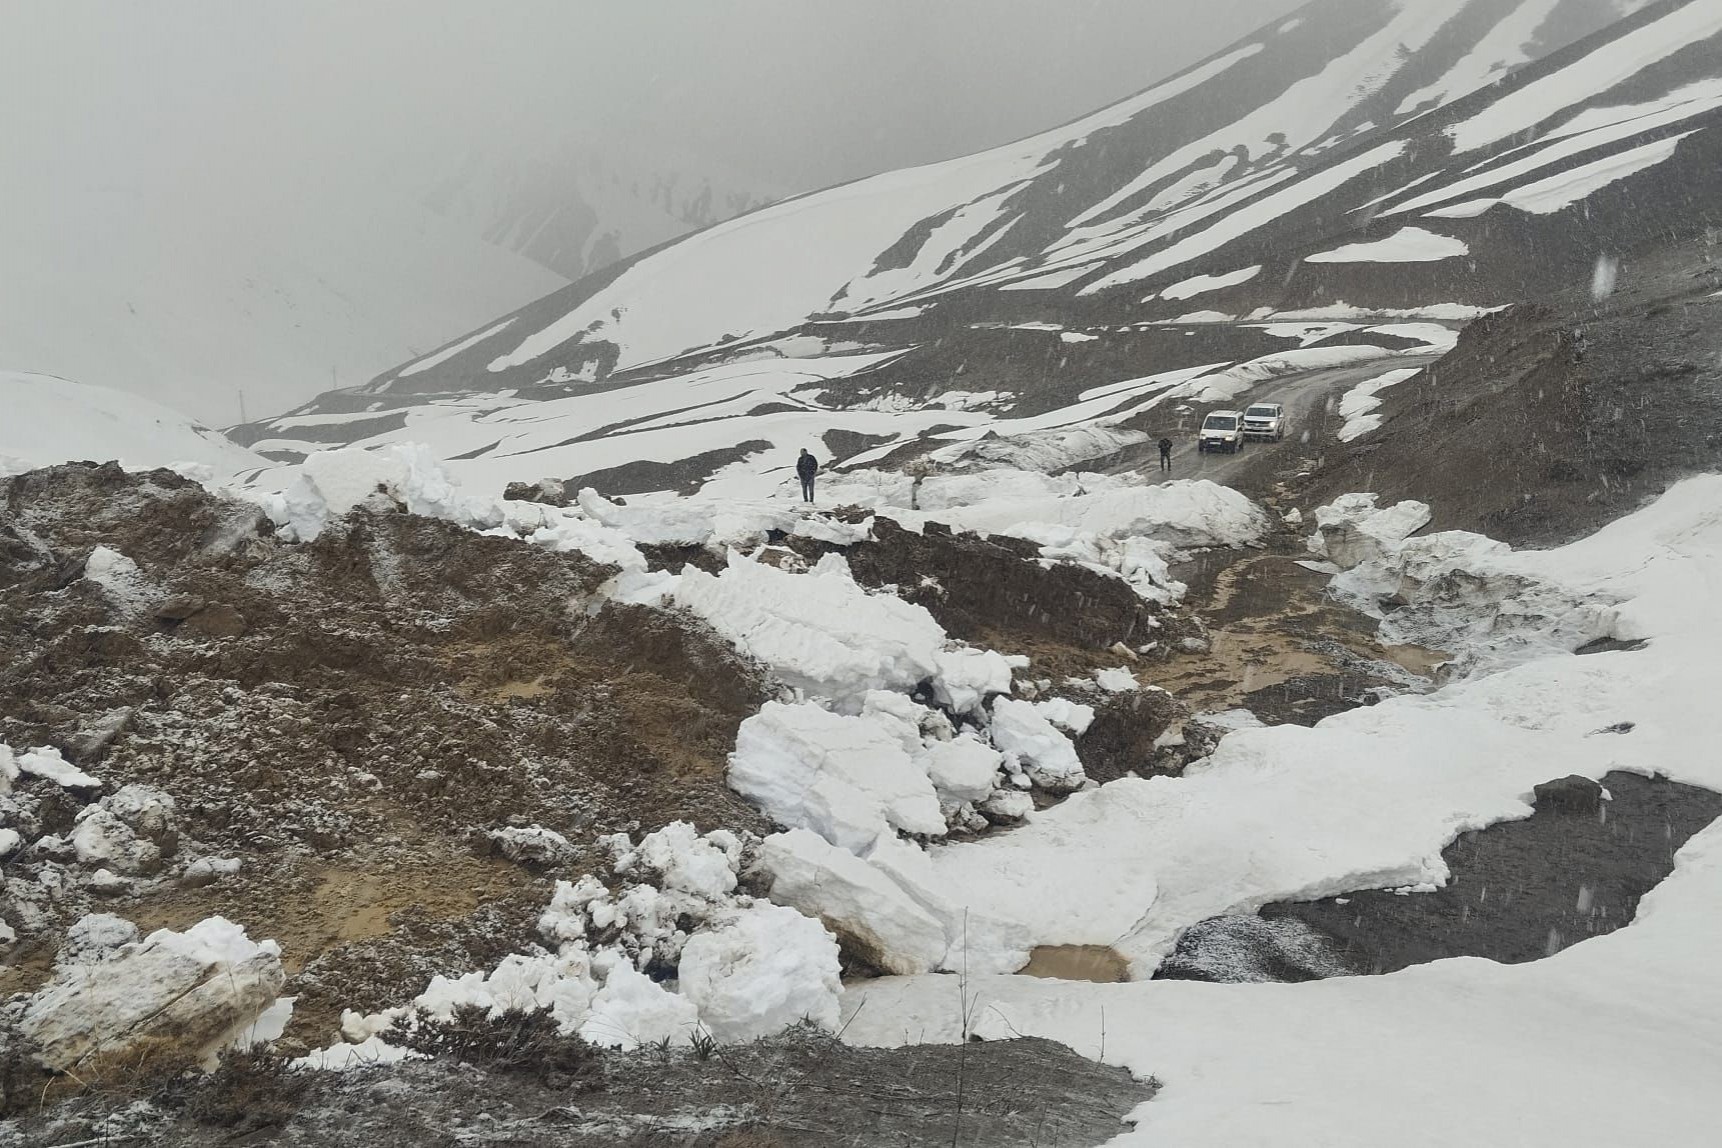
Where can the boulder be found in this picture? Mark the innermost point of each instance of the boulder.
(1573, 794)
(129, 832)
(172, 997)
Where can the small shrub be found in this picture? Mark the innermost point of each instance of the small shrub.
(248, 1091)
(528, 1043)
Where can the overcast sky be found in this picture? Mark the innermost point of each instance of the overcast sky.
(790, 94)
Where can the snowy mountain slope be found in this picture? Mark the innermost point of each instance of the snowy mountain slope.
(193, 288)
(51, 420)
(1361, 163)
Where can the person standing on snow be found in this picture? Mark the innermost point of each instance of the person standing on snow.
(1166, 454)
(806, 466)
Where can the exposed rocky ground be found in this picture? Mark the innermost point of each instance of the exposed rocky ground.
(350, 719)
(1549, 420)
(1519, 891)
(801, 1090)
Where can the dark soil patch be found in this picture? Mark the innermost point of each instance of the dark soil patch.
(684, 476)
(1520, 890)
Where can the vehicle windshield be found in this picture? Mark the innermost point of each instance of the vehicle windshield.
(1220, 422)
(1260, 412)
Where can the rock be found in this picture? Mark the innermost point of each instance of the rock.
(93, 738)
(1007, 806)
(1124, 733)
(874, 919)
(217, 621)
(7, 934)
(179, 608)
(130, 831)
(207, 871)
(10, 842)
(1195, 645)
(96, 937)
(107, 883)
(1573, 794)
(180, 996)
(531, 845)
(550, 491)
(53, 847)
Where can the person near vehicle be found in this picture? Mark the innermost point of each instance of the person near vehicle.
(806, 466)
(1166, 454)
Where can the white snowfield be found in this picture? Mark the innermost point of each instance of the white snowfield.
(1564, 1050)
(1407, 245)
(1357, 406)
(788, 394)
(50, 420)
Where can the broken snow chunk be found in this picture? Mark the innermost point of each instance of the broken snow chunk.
(1075, 717)
(1351, 529)
(1007, 806)
(849, 779)
(1116, 681)
(633, 1010)
(766, 968)
(46, 762)
(873, 917)
(1045, 754)
(683, 860)
(963, 769)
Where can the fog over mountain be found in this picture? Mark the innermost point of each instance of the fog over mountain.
(205, 200)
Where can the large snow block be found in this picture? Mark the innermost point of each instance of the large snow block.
(767, 968)
(869, 912)
(1352, 530)
(849, 779)
(181, 996)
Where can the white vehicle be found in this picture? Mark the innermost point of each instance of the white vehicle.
(1265, 420)
(1222, 430)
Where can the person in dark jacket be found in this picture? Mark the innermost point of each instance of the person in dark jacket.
(1166, 454)
(806, 466)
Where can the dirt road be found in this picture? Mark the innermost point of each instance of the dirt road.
(1305, 398)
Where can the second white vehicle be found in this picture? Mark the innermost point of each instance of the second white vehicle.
(1222, 430)
(1265, 421)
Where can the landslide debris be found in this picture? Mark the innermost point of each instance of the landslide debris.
(339, 727)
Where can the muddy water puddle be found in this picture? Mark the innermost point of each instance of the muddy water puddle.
(1101, 964)
(1275, 636)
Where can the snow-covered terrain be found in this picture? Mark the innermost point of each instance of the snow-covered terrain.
(49, 420)
(1286, 177)
(1295, 812)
